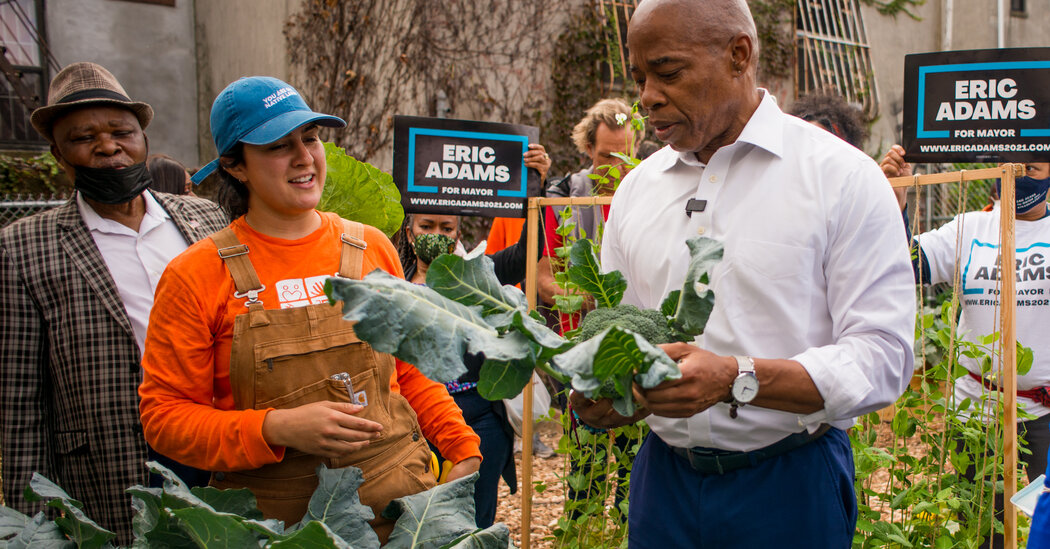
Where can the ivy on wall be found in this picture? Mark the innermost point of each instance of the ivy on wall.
(38, 175)
(576, 84)
(776, 37)
(896, 7)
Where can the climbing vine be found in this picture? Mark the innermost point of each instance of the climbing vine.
(35, 176)
(895, 7)
(776, 37)
(576, 84)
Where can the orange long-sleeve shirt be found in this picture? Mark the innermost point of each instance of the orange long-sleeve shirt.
(186, 402)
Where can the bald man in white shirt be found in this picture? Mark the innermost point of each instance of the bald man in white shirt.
(814, 317)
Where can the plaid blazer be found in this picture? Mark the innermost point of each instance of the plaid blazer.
(69, 363)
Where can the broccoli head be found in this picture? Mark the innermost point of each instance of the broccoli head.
(648, 323)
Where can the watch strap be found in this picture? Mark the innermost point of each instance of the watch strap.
(744, 364)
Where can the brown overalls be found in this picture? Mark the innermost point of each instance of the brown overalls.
(284, 358)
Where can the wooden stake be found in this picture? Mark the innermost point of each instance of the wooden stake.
(532, 222)
(1008, 350)
(532, 248)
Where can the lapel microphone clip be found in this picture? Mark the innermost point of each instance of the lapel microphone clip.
(694, 205)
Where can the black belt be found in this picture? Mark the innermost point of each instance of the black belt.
(711, 461)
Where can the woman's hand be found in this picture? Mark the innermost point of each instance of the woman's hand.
(538, 159)
(464, 468)
(326, 429)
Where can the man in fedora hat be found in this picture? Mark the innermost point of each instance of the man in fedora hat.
(76, 288)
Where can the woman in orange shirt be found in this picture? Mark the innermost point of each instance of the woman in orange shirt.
(248, 372)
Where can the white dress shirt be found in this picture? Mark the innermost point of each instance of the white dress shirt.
(816, 269)
(136, 259)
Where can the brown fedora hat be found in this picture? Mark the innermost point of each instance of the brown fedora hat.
(82, 84)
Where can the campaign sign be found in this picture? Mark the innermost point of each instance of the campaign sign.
(463, 167)
(977, 106)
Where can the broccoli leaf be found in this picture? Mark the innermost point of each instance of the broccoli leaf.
(360, 192)
(586, 272)
(670, 303)
(697, 298)
(433, 518)
(40, 532)
(73, 522)
(315, 535)
(473, 282)
(619, 355)
(152, 525)
(500, 380)
(420, 326)
(549, 341)
(496, 536)
(210, 528)
(239, 501)
(337, 504)
(11, 522)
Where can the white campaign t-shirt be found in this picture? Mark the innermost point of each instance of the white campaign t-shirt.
(977, 235)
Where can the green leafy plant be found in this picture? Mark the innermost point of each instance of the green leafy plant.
(463, 309)
(912, 491)
(33, 175)
(596, 514)
(359, 191)
(177, 517)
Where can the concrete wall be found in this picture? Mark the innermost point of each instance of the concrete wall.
(236, 38)
(973, 26)
(149, 48)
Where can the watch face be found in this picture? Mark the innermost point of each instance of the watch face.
(745, 388)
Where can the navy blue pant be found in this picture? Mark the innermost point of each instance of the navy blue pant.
(496, 450)
(802, 499)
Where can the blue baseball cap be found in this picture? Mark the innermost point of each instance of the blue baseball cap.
(258, 110)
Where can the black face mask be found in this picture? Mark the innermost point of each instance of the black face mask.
(112, 185)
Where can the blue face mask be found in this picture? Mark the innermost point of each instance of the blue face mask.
(1029, 192)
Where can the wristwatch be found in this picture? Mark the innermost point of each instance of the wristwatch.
(745, 386)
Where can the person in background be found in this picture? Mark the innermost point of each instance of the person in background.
(168, 176)
(834, 114)
(814, 316)
(248, 371)
(603, 131)
(1039, 534)
(976, 236)
(504, 231)
(76, 289)
(487, 418)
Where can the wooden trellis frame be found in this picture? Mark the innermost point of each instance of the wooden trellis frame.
(1007, 309)
(1008, 334)
(532, 248)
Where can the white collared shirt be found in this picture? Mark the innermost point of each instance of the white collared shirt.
(135, 259)
(816, 269)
